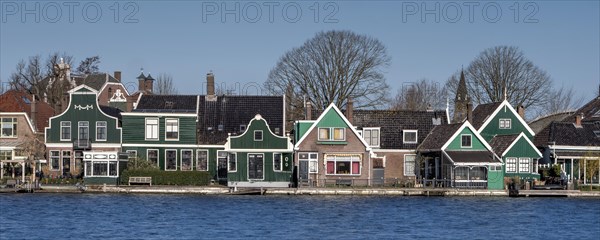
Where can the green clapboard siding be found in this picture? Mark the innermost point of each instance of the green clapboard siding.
(495, 180)
(332, 119)
(269, 175)
(269, 141)
(301, 129)
(493, 128)
(522, 149)
(212, 156)
(134, 130)
(476, 144)
(83, 108)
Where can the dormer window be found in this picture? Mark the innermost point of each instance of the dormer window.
(258, 135)
(242, 128)
(505, 123)
(332, 134)
(466, 141)
(371, 136)
(410, 136)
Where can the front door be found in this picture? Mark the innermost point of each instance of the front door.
(378, 172)
(222, 165)
(255, 166)
(303, 171)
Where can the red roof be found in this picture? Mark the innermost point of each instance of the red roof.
(20, 101)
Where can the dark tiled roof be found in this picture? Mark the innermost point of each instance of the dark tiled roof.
(167, 103)
(19, 101)
(539, 124)
(230, 112)
(482, 112)
(111, 111)
(565, 133)
(96, 80)
(438, 137)
(472, 156)
(501, 142)
(393, 122)
(590, 111)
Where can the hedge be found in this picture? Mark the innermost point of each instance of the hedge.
(159, 177)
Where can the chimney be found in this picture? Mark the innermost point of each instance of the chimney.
(149, 83)
(350, 110)
(117, 75)
(521, 111)
(33, 114)
(141, 82)
(308, 114)
(210, 84)
(578, 118)
(470, 112)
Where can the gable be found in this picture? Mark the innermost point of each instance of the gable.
(522, 148)
(301, 128)
(491, 126)
(269, 139)
(476, 142)
(332, 118)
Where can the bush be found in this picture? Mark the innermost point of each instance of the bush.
(159, 177)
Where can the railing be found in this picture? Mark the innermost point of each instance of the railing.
(357, 182)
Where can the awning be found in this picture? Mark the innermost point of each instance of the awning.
(472, 158)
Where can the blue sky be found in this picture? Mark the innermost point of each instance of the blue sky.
(189, 38)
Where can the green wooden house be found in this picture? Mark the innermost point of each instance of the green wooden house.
(162, 130)
(261, 158)
(330, 151)
(502, 126)
(456, 155)
(84, 126)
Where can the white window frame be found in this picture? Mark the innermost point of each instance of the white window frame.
(153, 132)
(414, 161)
(61, 131)
(369, 140)
(335, 162)
(261, 136)
(524, 165)
(167, 129)
(79, 126)
(105, 131)
(166, 159)
(470, 142)
(57, 158)
(229, 162)
(505, 123)
(197, 160)
(248, 166)
(280, 162)
(331, 134)
(191, 159)
(157, 156)
(404, 132)
(13, 125)
(511, 163)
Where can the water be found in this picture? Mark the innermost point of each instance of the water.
(113, 216)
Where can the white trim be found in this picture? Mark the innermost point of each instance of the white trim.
(248, 166)
(198, 107)
(236, 161)
(112, 83)
(60, 132)
(280, 162)
(404, 165)
(157, 129)
(522, 135)
(505, 120)
(262, 137)
(207, 159)
(371, 134)
(258, 117)
(158, 114)
(105, 132)
(157, 156)
(517, 116)
(410, 131)
(393, 150)
(567, 147)
(59, 145)
(284, 114)
(107, 145)
(135, 104)
(256, 150)
(160, 145)
(26, 118)
(470, 140)
(170, 139)
(166, 159)
(478, 164)
(466, 124)
(191, 160)
(360, 164)
(74, 90)
(348, 124)
(79, 133)
(515, 164)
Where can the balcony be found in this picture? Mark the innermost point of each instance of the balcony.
(82, 144)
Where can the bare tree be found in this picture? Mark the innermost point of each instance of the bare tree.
(164, 85)
(89, 65)
(562, 99)
(331, 67)
(504, 70)
(420, 95)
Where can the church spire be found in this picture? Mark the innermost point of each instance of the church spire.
(461, 100)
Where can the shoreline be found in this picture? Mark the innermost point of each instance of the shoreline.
(218, 190)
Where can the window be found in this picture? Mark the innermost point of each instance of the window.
(232, 163)
(524, 165)
(151, 128)
(54, 160)
(465, 141)
(152, 155)
(312, 159)
(66, 161)
(409, 136)
(258, 135)
(101, 131)
(202, 160)
(409, 165)
(511, 165)
(504, 123)
(84, 130)
(343, 164)
(277, 166)
(325, 134)
(5, 155)
(371, 136)
(171, 129)
(112, 169)
(186, 160)
(100, 168)
(65, 131)
(242, 128)
(171, 160)
(255, 166)
(9, 127)
(97, 165)
(495, 168)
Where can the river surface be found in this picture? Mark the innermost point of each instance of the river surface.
(157, 216)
